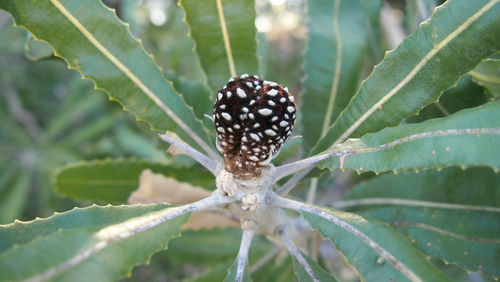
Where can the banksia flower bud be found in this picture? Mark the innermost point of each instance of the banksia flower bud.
(253, 118)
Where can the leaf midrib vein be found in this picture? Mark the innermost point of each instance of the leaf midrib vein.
(225, 37)
(416, 69)
(146, 90)
(444, 232)
(415, 203)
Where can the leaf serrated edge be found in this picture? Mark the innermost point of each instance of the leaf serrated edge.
(164, 245)
(155, 63)
(425, 135)
(454, 262)
(147, 260)
(416, 69)
(209, 150)
(93, 206)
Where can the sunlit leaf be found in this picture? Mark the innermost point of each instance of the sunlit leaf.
(467, 138)
(415, 73)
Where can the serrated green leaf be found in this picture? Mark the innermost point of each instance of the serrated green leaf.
(420, 205)
(225, 36)
(336, 47)
(469, 137)
(21, 233)
(302, 276)
(371, 260)
(487, 74)
(441, 50)
(84, 244)
(114, 180)
(100, 46)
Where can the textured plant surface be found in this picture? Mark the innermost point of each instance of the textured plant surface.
(421, 131)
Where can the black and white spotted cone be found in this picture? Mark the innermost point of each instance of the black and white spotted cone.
(253, 118)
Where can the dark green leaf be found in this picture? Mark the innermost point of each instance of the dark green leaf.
(302, 275)
(336, 47)
(420, 205)
(466, 94)
(487, 74)
(406, 262)
(114, 180)
(225, 36)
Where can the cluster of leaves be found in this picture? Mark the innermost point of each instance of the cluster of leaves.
(392, 223)
(50, 116)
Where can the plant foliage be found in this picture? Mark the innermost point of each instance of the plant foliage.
(426, 186)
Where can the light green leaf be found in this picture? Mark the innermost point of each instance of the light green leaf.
(469, 137)
(487, 74)
(376, 251)
(225, 36)
(94, 41)
(302, 276)
(420, 205)
(336, 47)
(435, 56)
(231, 273)
(84, 244)
(114, 180)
